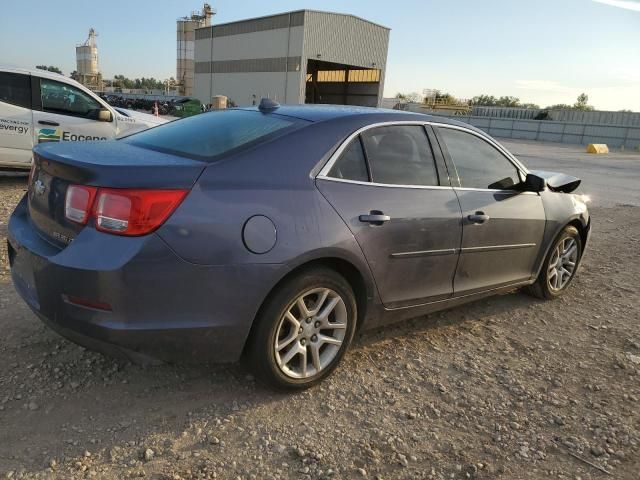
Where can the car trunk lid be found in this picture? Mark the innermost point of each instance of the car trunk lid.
(108, 165)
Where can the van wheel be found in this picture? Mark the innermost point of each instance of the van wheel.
(559, 267)
(303, 330)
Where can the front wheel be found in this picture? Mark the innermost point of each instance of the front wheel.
(560, 266)
(303, 330)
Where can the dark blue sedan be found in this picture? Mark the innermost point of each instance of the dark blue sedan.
(274, 233)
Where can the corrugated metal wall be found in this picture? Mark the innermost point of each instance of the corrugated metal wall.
(345, 39)
(551, 131)
(631, 119)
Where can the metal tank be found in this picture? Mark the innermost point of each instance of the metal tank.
(88, 71)
(186, 36)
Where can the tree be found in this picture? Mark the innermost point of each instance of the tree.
(50, 68)
(484, 101)
(411, 97)
(508, 102)
(582, 103)
(533, 106)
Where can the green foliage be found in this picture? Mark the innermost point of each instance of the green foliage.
(582, 103)
(141, 83)
(49, 68)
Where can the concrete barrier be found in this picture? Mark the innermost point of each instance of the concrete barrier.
(597, 148)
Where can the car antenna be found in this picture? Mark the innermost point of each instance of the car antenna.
(267, 104)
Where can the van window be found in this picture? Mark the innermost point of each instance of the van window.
(15, 88)
(209, 135)
(65, 99)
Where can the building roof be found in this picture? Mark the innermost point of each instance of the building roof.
(292, 12)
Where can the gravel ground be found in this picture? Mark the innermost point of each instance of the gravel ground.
(509, 387)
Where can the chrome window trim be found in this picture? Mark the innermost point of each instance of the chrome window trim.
(324, 171)
(499, 192)
(384, 185)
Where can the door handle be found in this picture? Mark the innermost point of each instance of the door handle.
(479, 218)
(375, 217)
(48, 122)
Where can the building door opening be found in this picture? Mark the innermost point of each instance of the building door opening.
(339, 84)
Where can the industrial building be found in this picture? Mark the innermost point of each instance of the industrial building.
(87, 69)
(186, 27)
(297, 57)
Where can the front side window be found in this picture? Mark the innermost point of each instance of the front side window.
(351, 165)
(212, 134)
(64, 99)
(15, 88)
(478, 163)
(400, 155)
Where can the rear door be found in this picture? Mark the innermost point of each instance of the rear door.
(502, 225)
(16, 120)
(64, 113)
(386, 186)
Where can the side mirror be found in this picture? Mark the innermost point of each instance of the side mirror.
(105, 115)
(534, 183)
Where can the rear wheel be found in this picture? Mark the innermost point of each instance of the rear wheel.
(559, 267)
(303, 330)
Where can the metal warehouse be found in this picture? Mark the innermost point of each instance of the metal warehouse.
(297, 57)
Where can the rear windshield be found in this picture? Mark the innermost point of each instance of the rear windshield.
(209, 135)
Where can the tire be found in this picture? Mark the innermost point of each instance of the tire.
(276, 334)
(546, 285)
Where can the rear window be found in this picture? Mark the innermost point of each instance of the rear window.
(15, 88)
(209, 135)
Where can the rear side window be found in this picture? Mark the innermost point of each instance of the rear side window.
(400, 155)
(15, 88)
(209, 135)
(351, 165)
(478, 163)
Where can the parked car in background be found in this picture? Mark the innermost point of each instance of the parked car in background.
(37, 106)
(276, 232)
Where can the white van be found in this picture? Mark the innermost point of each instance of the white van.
(39, 106)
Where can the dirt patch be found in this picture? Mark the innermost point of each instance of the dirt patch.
(509, 387)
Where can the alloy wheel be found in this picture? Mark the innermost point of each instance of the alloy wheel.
(310, 333)
(562, 264)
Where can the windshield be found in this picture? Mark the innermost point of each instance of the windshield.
(209, 135)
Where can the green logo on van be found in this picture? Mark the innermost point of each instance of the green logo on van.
(48, 135)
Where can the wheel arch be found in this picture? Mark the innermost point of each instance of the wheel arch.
(362, 286)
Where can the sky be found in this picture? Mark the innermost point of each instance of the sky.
(541, 51)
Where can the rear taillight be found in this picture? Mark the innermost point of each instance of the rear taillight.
(134, 212)
(78, 202)
(121, 211)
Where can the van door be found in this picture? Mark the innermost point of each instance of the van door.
(64, 113)
(16, 120)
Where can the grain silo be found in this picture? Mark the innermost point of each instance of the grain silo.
(88, 72)
(186, 35)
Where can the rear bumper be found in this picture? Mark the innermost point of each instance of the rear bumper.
(160, 305)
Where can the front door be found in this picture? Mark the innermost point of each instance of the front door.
(16, 121)
(502, 225)
(407, 224)
(67, 114)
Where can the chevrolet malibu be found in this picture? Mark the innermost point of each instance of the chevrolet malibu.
(274, 233)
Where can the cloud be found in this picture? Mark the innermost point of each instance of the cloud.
(626, 4)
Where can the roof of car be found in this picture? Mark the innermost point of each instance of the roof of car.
(319, 113)
(40, 73)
